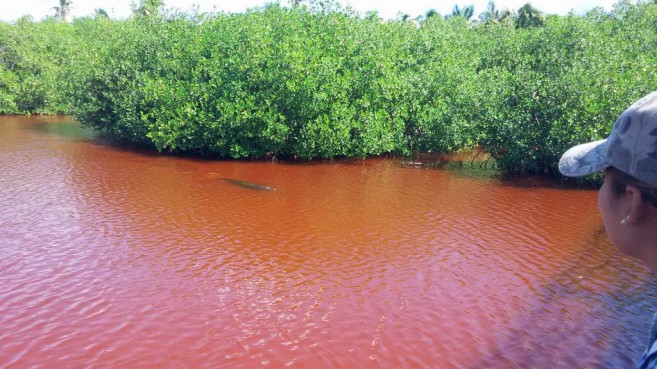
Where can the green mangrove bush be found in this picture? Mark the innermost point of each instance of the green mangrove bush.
(33, 56)
(323, 82)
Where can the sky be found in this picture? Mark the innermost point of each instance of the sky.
(388, 9)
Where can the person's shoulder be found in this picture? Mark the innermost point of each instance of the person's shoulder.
(649, 358)
(652, 364)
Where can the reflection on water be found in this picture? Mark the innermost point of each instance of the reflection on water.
(113, 258)
(64, 128)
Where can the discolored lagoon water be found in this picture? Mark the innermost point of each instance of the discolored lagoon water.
(119, 258)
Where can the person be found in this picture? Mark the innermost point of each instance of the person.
(628, 197)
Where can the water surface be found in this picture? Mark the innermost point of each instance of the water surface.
(113, 257)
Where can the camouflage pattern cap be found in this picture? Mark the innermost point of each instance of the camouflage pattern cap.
(631, 147)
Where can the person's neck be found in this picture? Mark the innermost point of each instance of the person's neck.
(647, 236)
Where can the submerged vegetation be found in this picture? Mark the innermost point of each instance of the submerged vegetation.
(319, 81)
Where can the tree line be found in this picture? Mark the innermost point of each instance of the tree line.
(315, 80)
(527, 15)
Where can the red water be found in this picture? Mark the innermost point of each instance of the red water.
(115, 258)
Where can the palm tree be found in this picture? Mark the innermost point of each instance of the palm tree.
(528, 16)
(467, 12)
(431, 13)
(148, 8)
(101, 13)
(493, 14)
(63, 11)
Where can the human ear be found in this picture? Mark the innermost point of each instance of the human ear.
(635, 205)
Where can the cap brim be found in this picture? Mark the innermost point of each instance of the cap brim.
(584, 159)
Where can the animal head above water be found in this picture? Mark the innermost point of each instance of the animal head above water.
(249, 185)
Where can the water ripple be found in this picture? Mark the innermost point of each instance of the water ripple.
(120, 258)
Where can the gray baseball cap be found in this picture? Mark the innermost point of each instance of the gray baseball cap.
(631, 147)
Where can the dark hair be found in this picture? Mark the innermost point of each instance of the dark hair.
(620, 180)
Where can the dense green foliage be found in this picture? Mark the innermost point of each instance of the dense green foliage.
(31, 59)
(321, 82)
